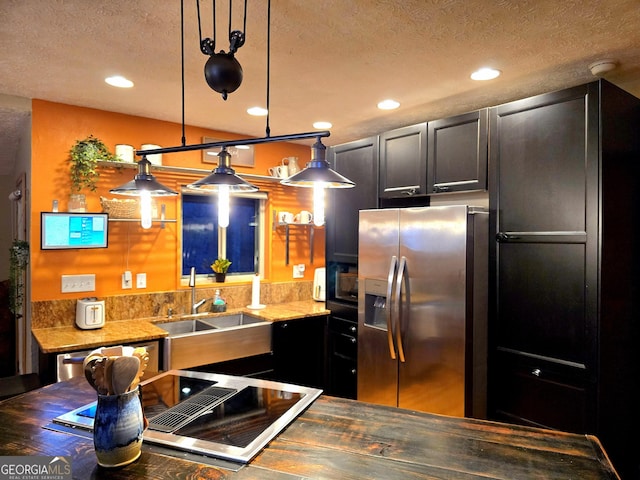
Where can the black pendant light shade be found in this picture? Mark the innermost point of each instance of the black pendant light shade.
(144, 181)
(318, 172)
(223, 174)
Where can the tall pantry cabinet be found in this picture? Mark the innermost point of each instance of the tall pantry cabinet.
(564, 183)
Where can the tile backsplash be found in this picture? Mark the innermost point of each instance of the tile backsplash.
(62, 313)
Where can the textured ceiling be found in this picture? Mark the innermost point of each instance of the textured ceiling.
(330, 59)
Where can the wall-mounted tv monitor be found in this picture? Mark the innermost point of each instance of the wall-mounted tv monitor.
(62, 230)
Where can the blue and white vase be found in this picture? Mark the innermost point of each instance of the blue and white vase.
(117, 429)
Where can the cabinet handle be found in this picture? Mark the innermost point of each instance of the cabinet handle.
(353, 340)
(505, 237)
(353, 329)
(440, 189)
(410, 192)
(536, 372)
(353, 371)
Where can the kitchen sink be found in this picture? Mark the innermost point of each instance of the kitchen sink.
(213, 338)
(185, 326)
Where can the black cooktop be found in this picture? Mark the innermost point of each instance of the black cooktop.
(217, 415)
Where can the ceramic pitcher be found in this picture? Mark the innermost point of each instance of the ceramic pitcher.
(117, 429)
(292, 163)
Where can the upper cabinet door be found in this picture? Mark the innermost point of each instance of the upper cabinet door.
(358, 161)
(544, 163)
(403, 162)
(457, 159)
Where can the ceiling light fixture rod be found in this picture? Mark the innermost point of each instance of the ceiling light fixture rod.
(184, 136)
(207, 45)
(268, 128)
(233, 143)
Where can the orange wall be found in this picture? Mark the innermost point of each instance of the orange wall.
(56, 127)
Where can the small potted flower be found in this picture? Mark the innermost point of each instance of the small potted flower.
(220, 267)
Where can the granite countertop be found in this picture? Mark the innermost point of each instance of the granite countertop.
(276, 312)
(71, 338)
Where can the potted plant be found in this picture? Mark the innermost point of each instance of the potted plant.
(220, 267)
(84, 157)
(18, 261)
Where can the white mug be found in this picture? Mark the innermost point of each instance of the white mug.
(280, 171)
(285, 217)
(304, 217)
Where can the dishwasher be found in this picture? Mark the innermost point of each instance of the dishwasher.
(69, 365)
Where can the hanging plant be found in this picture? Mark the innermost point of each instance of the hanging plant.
(18, 261)
(84, 157)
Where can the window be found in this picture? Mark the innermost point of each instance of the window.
(203, 241)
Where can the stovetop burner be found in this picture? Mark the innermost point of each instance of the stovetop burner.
(217, 415)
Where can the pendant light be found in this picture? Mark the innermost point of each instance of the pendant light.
(145, 186)
(223, 181)
(318, 175)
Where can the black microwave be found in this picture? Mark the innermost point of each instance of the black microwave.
(342, 282)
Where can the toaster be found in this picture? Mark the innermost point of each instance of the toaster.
(319, 285)
(89, 313)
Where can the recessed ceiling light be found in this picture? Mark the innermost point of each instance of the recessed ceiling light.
(485, 73)
(257, 111)
(388, 104)
(119, 81)
(322, 125)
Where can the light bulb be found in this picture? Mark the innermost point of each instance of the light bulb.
(223, 205)
(318, 204)
(145, 209)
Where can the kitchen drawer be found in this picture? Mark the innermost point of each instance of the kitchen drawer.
(344, 345)
(343, 337)
(539, 393)
(340, 325)
(343, 380)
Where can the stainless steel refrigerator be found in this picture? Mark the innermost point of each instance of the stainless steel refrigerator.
(422, 309)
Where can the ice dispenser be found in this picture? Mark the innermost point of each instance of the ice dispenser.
(375, 303)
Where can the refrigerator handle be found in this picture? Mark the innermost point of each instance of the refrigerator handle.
(392, 273)
(403, 276)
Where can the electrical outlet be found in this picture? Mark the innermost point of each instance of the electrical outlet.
(298, 271)
(141, 280)
(126, 280)
(78, 283)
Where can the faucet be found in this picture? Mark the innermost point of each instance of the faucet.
(196, 306)
(192, 283)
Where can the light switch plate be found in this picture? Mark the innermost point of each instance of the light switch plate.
(141, 280)
(78, 283)
(298, 271)
(126, 280)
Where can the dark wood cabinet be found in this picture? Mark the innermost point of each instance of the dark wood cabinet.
(257, 366)
(403, 162)
(299, 351)
(565, 273)
(342, 351)
(457, 158)
(358, 161)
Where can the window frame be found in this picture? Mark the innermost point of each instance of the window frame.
(207, 279)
